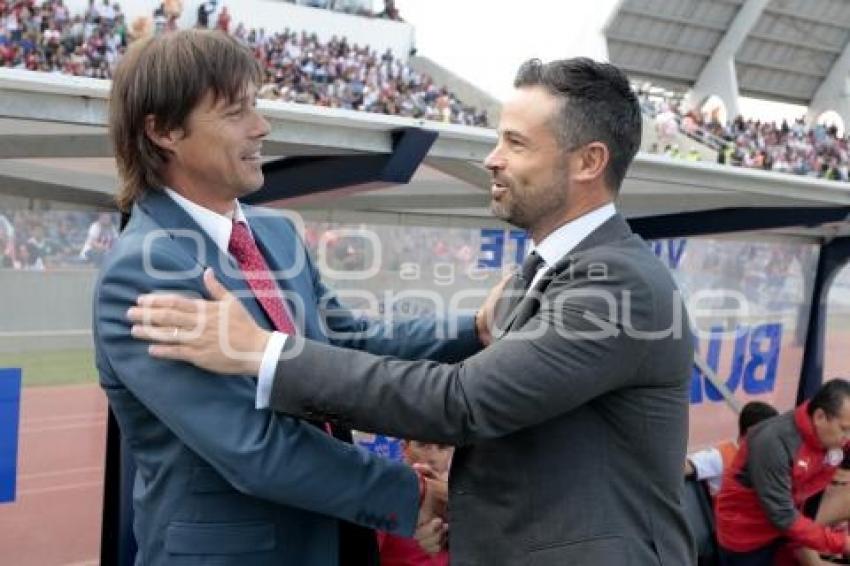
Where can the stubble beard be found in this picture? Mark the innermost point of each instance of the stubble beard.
(531, 210)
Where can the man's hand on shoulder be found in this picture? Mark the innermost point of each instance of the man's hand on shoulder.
(484, 316)
(218, 335)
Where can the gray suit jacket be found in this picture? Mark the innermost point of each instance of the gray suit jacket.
(219, 482)
(572, 427)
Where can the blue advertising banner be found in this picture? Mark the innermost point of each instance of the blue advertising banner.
(385, 446)
(10, 405)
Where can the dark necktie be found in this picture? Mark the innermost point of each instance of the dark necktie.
(516, 288)
(529, 269)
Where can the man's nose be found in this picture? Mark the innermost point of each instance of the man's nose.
(494, 160)
(263, 128)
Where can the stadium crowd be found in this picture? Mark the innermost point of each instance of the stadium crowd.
(54, 239)
(39, 240)
(356, 7)
(815, 151)
(44, 36)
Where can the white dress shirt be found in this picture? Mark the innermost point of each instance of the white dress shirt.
(219, 227)
(708, 465)
(555, 246)
(563, 240)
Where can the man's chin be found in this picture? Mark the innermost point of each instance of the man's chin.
(503, 213)
(499, 211)
(253, 187)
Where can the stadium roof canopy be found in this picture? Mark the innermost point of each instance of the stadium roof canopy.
(785, 50)
(53, 146)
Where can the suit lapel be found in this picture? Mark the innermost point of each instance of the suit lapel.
(503, 312)
(289, 264)
(517, 310)
(523, 307)
(182, 229)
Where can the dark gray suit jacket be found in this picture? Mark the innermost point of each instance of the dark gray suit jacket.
(572, 426)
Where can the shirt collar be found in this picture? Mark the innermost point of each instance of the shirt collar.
(563, 240)
(217, 226)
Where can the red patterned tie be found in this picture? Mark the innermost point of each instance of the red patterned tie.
(258, 276)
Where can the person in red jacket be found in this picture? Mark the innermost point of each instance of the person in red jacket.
(708, 465)
(780, 465)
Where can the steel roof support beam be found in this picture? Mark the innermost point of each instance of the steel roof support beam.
(718, 77)
(834, 92)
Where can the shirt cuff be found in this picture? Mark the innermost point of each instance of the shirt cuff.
(268, 365)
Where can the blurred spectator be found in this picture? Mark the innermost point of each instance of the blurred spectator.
(173, 8)
(141, 28)
(223, 22)
(7, 258)
(780, 465)
(390, 11)
(7, 229)
(100, 239)
(830, 507)
(709, 465)
(159, 19)
(23, 259)
(204, 11)
(693, 155)
(39, 248)
(107, 13)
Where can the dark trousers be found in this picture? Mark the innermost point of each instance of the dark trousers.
(759, 557)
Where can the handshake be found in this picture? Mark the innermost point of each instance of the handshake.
(432, 527)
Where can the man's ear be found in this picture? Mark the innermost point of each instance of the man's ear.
(590, 162)
(166, 139)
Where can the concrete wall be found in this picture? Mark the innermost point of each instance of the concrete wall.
(49, 310)
(42, 310)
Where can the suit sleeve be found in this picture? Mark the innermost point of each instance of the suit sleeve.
(260, 453)
(431, 338)
(770, 471)
(573, 350)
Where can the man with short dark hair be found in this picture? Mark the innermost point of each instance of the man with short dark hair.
(100, 238)
(204, 11)
(572, 425)
(780, 465)
(708, 465)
